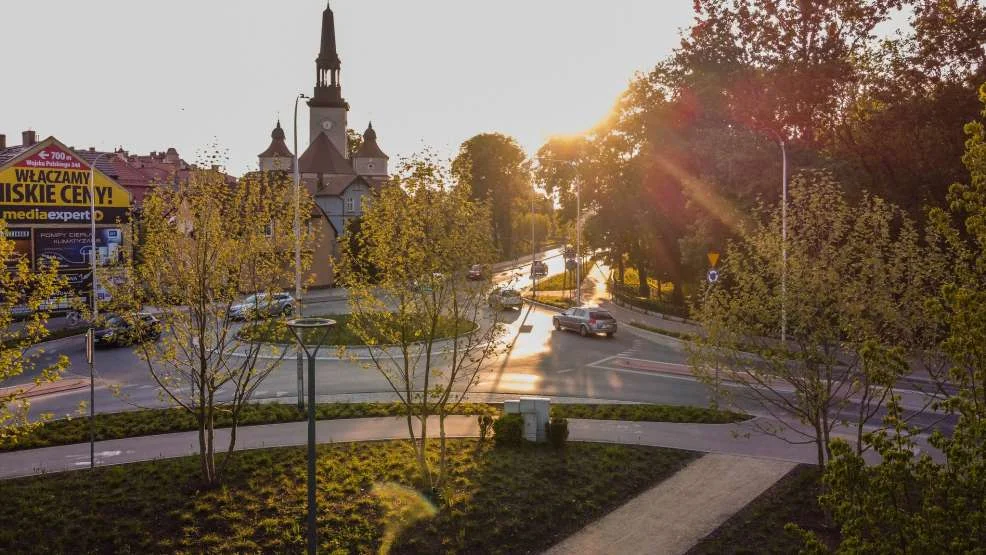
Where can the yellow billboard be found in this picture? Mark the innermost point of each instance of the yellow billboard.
(52, 186)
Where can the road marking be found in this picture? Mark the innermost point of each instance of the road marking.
(566, 370)
(280, 393)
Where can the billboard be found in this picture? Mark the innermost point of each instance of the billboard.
(52, 187)
(72, 246)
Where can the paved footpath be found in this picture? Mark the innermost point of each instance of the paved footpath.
(674, 515)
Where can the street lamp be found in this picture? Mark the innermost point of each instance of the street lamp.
(90, 336)
(299, 327)
(578, 226)
(780, 141)
(297, 248)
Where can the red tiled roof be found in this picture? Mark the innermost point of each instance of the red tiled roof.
(322, 157)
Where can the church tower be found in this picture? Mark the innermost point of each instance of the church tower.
(328, 110)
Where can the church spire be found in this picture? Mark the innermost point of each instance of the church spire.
(328, 89)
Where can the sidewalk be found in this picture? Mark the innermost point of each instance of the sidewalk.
(736, 439)
(674, 515)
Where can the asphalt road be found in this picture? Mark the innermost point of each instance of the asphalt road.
(540, 361)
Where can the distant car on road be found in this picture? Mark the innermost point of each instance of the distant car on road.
(263, 305)
(586, 321)
(116, 331)
(476, 272)
(501, 298)
(539, 269)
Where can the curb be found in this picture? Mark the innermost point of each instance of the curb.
(654, 337)
(543, 305)
(34, 390)
(660, 315)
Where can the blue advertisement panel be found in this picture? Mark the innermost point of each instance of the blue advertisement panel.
(72, 247)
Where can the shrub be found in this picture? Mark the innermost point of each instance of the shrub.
(485, 423)
(508, 430)
(557, 432)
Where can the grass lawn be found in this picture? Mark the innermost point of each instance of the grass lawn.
(163, 421)
(554, 300)
(556, 282)
(497, 500)
(275, 331)
(759, 527)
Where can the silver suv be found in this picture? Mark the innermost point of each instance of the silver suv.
(585, 320)
(263, 305)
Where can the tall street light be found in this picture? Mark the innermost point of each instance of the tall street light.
(578, 225)
(297, 249)
(780, 141)
(302, 327)
(90, 336)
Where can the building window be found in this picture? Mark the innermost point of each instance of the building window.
(350, 204)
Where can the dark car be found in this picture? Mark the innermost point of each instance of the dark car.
(539, 269)
(586, 321)
(475, 272)
(119, 332)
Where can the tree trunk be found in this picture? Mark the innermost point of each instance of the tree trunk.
(643, 288)
(442, 467)
(620, 271)
(423, 451)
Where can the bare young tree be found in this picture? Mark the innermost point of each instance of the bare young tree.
(23, 295)
(425, 323)
(202, 246)
(853, 278)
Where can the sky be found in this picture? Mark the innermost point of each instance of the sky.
(428, 73)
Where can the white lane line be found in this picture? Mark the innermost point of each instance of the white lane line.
(566, 370)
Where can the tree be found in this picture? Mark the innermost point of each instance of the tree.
(204, 244)
(354, 140)
(493, 167)
(852, 270)
(909, 502)
(421, 234)
(23, 291)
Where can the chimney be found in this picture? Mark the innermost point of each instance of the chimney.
(28, 138)
(3, 141)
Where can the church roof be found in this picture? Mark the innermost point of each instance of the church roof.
(322, 157)
(277, 145)
(369, 148)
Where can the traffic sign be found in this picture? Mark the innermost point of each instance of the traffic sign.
(713, 258)
(713, 276)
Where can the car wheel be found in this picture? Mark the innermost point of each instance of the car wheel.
(557, 325)
(583, 331)
(288, 310)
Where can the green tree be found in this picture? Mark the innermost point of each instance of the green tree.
(909, 502)
(203, 246)
(23, 291)
(494, 168)
(421, 234)
(851, 271)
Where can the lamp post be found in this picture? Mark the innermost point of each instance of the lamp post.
(534, 279)
(780, 141)
(297, 249)
(578, 226)
(298, 327)
(90, 336)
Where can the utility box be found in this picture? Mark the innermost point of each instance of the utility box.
(536, 412)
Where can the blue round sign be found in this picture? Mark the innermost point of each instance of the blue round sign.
(713, 276)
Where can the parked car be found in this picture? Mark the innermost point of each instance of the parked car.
(263, 305)
(475, 272)
(539, 269)
(501, 298)
(585, 320)
(116, 331)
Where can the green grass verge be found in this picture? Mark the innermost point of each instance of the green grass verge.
(276, 331)
(557, 282)
(497, 500)
(50, 336)
(662, 331)
(759, 527)
(162, 421)
(552, 300)
(648, 413)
